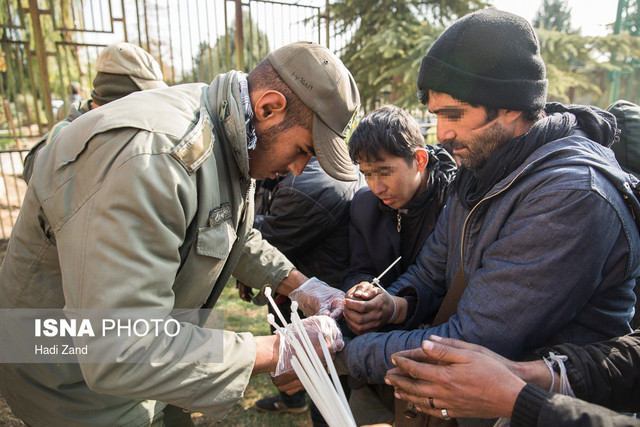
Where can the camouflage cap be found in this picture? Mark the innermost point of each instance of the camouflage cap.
(133, 61)
(322, 82)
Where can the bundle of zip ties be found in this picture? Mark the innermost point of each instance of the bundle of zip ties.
(326, 393)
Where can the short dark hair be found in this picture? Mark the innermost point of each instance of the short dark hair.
(263, 76)
(390, 129)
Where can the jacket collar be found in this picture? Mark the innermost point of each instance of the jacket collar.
(223, 101)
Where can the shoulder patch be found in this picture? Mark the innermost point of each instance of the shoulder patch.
(197, 145)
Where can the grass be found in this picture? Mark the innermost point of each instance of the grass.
(240, 316)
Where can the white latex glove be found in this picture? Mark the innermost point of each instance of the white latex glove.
(317, 327)
(315, 297)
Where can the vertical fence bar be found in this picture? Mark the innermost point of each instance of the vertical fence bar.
(6, 190)
(42, 58)
(173, 64)
(239, 36)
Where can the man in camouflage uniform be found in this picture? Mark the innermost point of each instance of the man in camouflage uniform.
(147, 202)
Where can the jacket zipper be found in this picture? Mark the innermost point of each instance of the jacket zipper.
(464, 225)
(399, 218)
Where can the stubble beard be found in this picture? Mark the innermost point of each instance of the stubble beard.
(480, 148)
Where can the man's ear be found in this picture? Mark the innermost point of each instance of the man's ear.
(270, 106)
(422, 159)
(511, 116)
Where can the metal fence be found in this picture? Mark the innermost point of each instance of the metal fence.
(47, 44)
(12, 188)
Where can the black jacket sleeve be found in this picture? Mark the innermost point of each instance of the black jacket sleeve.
(605, 373)
(537, 407)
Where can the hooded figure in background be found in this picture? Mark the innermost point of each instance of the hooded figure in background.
(123, 68)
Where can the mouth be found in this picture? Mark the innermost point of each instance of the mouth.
(454, 147)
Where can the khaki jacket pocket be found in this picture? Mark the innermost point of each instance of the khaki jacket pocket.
(216, 241)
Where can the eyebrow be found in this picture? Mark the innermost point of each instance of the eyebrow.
(378, 169)
(445, 110)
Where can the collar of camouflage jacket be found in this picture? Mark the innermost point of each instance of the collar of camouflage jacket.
(224, 103)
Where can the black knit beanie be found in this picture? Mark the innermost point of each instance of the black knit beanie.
(489, 58)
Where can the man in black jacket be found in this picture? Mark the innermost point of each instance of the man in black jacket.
(392, 217)
(307, 218)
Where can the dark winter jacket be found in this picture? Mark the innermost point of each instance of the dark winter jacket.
(604, 374)
(308, 221)
(550, 255)
(377, 232)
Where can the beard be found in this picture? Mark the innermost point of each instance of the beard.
(480, 147)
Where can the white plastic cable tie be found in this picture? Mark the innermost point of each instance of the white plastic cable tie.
(267, 293)
(559, 359)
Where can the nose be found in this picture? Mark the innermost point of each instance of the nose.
(376, 185)
(444, 133)
(298, 165)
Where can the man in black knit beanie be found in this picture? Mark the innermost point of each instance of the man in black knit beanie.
(535, 245)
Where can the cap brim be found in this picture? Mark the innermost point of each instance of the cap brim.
(147, 84)
(332, 153)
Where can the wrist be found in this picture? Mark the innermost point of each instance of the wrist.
(267, 354)
(400, 314)
(533, 372)
(293, 280)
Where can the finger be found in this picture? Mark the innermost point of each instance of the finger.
(360, 323)
(357, 328)
(355, 305)
(364, 306)
(291, 387)
(336, 309)
(363, 290)
(293, 391)
(395, 371)
(410, 389)
(367, 292)
(359, 287)
(416, 354)
(418, 370)
(452, 342)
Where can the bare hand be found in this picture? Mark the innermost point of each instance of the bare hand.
(367, 308)
(466, 379)
(363, 290)
(287, 383)
(244, 292)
